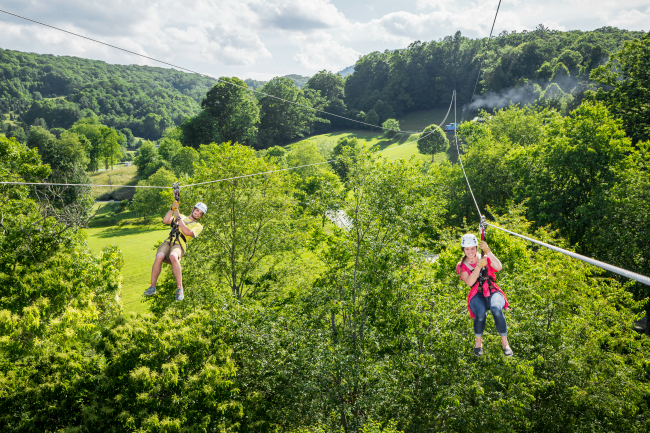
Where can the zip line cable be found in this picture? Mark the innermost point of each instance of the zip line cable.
(461, 163)
(482, 59)
(84, 184)
(624, 272)
(199, 73)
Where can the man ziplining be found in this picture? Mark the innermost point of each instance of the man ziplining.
(171, 250)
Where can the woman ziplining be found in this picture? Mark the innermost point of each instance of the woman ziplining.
(479, 274)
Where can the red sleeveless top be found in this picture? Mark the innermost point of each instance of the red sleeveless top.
(486, 289)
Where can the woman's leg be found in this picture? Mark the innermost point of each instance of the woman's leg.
(477, 305)
(497, 302)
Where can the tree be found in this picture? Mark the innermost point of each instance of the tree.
(103, 142)
(304, 154)
(361, 298)
(280, 121)
(154, 201)
(338, 165)
(168, 148)
(184, 160)
(331, 88)
(109, 146)
(627, 87)
(146, 154)
(391, 127)
(372, 118)
(234, 111)
(432, 141)
(571, 173)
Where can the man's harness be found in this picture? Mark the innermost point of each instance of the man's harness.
(175, 233)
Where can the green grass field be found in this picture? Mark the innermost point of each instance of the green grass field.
(119, 175)
(137, 243)
(401, 146)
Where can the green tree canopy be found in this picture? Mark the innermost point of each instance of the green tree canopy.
(627, 87)
(281, 122)
(230, 113)
(432, 141)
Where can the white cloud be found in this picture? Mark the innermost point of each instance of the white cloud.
(262, 37)
(299, 15)
(320, 51)
(631, 19)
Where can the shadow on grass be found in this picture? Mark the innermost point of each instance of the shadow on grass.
(116, 232)
(384, 144)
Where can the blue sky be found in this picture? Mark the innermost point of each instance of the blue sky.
(264, 38)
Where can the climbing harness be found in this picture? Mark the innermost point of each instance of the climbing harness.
(175, 233)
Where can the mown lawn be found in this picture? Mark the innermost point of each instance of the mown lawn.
(119, 175)
(137, 243)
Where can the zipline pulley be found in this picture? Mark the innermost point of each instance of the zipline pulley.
(482, 227)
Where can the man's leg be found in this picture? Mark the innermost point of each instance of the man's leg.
(176, 268)
(163, 249)
(156, 268)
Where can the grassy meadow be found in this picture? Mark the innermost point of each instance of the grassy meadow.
(119, 175)
(137, 243)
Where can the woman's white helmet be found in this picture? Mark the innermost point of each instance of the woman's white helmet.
(202, 207)
(468, 240)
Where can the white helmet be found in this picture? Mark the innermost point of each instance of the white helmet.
(202, 207)
(468, 240)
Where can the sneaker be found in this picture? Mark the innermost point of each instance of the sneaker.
(507, 351)
(478, 351)
(150, 291)
(179, 294)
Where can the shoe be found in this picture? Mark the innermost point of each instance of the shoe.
(179, 294)
(507, 351)
(150, 291)
(478, 351)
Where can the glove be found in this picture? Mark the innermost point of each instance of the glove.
(174, 207)
(177, 215)
(482, 263)
(484, 247)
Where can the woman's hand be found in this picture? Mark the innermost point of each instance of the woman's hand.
(482, 263)
(485, 248)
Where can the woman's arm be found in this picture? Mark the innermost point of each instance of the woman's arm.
(495, 262)
(470, 279)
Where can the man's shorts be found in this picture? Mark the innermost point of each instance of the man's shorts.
(167, 249)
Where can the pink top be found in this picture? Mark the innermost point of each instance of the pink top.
(461, 266)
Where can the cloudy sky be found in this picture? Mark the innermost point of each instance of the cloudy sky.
(264, 38)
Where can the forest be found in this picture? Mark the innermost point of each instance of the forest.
(291, 323)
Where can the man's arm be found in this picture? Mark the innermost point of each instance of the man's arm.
(167, 219)
(181, 225)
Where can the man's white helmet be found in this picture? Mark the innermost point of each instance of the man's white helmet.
(202, 207)
(469, 240)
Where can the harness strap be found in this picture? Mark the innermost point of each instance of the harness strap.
(175, 234)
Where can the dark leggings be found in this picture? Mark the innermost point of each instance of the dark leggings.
(478, 306)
